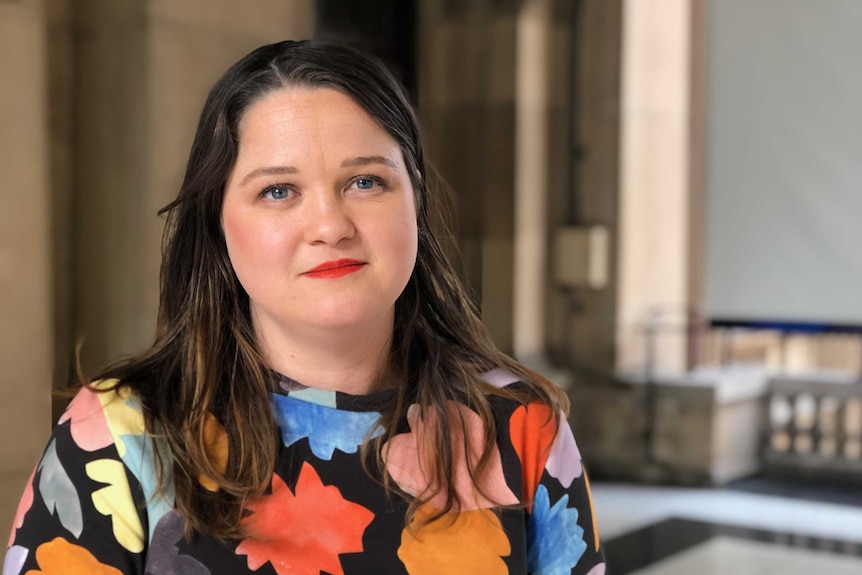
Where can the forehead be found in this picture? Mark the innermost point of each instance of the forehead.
(307, 112)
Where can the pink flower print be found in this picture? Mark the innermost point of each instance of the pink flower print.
(23, 507)
(407, 457)
(89, 426)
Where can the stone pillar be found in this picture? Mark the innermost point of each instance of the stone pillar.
(145, 69)
(26, 342)
(531, 179)
(654, 207)
(99, 101)
(467, 109)
(190, 44)
(584, 185)
(111, 181)
(60, 71)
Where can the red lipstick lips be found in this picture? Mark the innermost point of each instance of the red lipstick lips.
(335, 269)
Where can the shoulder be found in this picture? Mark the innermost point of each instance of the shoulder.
(105, 415)
(82, 497)
(101, 412)
(538, 433)
(516, 407)
(499, 378)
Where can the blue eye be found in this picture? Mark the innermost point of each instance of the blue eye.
(276, 192)
(365, 183)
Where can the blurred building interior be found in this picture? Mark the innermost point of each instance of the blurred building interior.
(655, 204)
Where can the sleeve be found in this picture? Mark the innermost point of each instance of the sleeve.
(82, 510)
(562, 533)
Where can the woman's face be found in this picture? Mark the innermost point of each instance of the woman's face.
(318, 214)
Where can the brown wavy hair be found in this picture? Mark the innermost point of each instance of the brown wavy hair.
(204, 361)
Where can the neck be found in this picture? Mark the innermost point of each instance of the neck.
(347, 359)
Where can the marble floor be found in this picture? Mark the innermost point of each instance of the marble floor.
(742, 530)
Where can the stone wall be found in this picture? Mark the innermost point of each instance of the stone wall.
(26, 340)
(99, 102)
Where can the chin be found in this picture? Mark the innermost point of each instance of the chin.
(347, 316)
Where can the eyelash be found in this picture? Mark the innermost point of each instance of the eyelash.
(267, 191)
(376, 179)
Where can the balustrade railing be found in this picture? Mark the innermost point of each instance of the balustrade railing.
(814, 426)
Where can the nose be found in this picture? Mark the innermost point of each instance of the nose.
(327, 219)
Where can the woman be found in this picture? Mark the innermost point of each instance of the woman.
(320, 396)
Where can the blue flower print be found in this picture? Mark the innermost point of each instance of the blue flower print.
(327, 429)
(555, 541)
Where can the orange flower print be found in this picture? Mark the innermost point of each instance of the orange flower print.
(466, 542)
(303, 533)
(592, 512)
(59, 557)
(532, 431)
(215, 438)
(407, 459)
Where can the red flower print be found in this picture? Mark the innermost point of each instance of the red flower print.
(532, 430)
(303, 533)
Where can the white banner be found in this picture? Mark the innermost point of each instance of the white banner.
(783, 218)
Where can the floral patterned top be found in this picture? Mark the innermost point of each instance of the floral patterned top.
(91, 504)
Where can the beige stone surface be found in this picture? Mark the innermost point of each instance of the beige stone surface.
(11, 487)
(185, 58)
(60, 72)
(279, 19)
(736, 439)
(467, 111)
(654, 168)
(110, 181)
(584, 166)
(146, 69)
(26, 360)
(683, 436)
(99, 101)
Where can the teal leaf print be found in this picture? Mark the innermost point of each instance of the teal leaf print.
(555, 541)
(139, 457)
(58, 492)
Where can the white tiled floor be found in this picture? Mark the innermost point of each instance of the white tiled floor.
(622, 509)
(726, 555)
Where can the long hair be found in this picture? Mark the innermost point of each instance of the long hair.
(204, 363)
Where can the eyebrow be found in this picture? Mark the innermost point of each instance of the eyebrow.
(268, 171)
(368, 160)
(351, 163)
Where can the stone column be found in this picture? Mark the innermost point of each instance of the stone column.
(144, 71)
(584, 170)
(467, 108)
(531, 179)
(99, 101)
(26, 342)
(654, 189)
(111, 180)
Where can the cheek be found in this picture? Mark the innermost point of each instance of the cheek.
(252, 246)
(257, 257)
(239, 238)
(403, 240)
